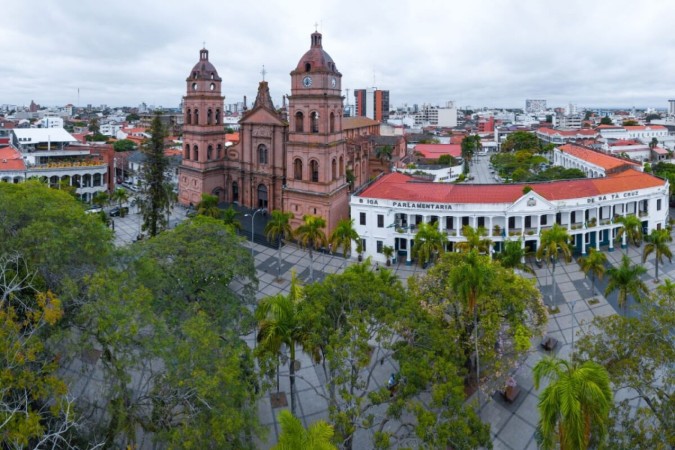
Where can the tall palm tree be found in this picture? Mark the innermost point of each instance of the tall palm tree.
(658, 244)
(575, 404)
(279, 323)
(626, 280)
(100, 199)
(470, 280)
(384, 153)
(512, 256)
(343, 235)
(429, 241)
(631, 228)
(311, 236)
(294, 436)
(209, 206)
(277, 229)
(593, 263)
(552, 243)
(475, 239)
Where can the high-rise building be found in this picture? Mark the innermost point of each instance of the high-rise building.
(671, 107)
(372, 103)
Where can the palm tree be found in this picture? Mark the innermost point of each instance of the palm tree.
(311, 236)
(384, 153)
(554, 241)
(631, 228)
(293, 435)
(512, 256)
(230, 219)
(343, 235)
(100, 199)
(470, 280)
(279, 324)
(626, 280)
(475, 239)
(277, 229)
(119, 196)
(593, 263)
(575, 404)
(658, 244)
(429, 241)
(209, 206)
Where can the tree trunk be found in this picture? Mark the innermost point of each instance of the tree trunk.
(279, 259)
(656, 266)
(553, 284)
(311, 265)
(292, 377)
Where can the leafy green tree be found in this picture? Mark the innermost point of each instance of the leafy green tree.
(343, 235)
(124, 145)
(294, 436)
(658, 244)
(553, 243)
(630, 231)
(384, 153)
(429, 242)
(606, 121)
(470, 146)
(94, 126)
(594, 264)
(50, 229)
(630, 123)
(639, 353)
(120, 196)
(311, 236)
(100, 199)
(653, 143)
(156, 196)
(574, 405)
(278, 229)
(279, 323)
(513, 256)
(520, 140)
(132, 117)
(626, 280)
(230, 219)
(208, 206)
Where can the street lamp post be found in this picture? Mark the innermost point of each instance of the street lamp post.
(252, 223)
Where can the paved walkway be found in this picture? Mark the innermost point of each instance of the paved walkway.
(513, 424)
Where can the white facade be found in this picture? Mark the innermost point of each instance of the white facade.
(590, 220)
(51, 122)
(437, 116)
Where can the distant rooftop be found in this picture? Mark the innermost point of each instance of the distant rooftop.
(29, 136)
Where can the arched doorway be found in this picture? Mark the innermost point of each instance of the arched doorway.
(235, 192)
(262, 196)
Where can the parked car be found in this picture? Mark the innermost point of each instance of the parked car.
(115, 212)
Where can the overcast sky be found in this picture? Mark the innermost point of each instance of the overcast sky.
(478, 52)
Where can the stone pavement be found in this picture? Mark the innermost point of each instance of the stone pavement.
(513, 424)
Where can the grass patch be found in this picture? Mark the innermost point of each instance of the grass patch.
(553, 310)
(593, 301)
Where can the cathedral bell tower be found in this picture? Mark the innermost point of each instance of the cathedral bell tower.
(201, 170)
(316, 151)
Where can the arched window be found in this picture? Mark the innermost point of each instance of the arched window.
(314, 169)
(262, 154)
(342, 166)
(189, 117)
(333, 169)
(209, 152)
(217, 116)
(314, 121)
(332, 123)
(297, 169)
(262, 196)
(299, 122)
(186, 155)
(195, 153)
(196, 117)
(235, 192)
(209, 115)
(219, 151)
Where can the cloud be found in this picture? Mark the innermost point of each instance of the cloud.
(483, 52)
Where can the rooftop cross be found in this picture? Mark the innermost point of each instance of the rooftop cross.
(316, 27)
(263, 72)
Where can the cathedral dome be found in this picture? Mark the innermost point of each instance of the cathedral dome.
(204, 70)
(316, 59)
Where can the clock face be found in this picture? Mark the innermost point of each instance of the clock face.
(194, 86)
(307, 81)
(333, 82)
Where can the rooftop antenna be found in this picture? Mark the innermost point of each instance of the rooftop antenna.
(263, 72)
(316, 27)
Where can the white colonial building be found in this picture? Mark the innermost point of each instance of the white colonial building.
(389, 211)
(593, 163)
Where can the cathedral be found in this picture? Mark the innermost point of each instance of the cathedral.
(296, 161)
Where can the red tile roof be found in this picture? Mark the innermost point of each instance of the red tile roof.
(645, 128)
(433, 151)
(599, 159)
(10, 159)
(581, 131)
(401, 187)
(232, 137)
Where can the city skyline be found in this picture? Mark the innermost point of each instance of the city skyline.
(485, 53)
